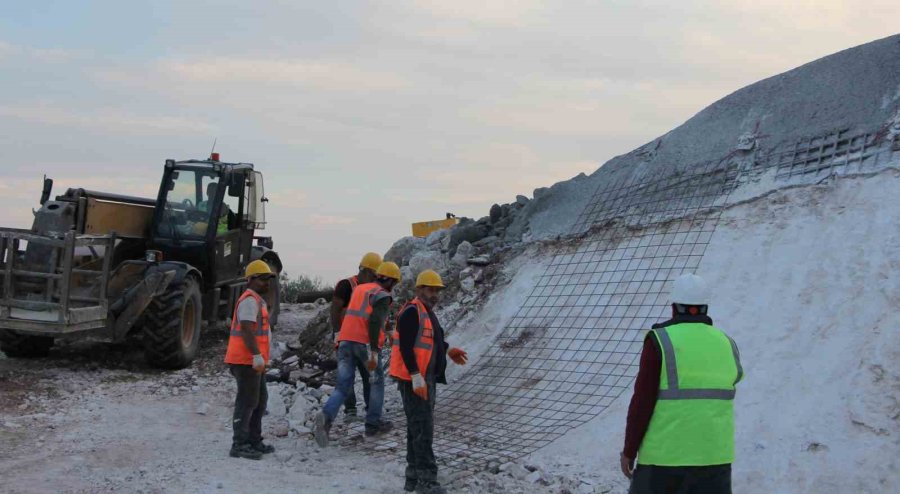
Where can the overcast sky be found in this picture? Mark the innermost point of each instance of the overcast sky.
(367, 116)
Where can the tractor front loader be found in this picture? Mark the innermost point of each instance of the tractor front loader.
(108, 266)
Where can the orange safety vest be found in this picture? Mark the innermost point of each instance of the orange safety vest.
(237, 352)
(355, 326)
(423, 347)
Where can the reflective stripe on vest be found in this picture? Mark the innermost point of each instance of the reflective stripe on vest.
(693, 419)
(355, 324)
(424, 327)
(422, 347)
(237, 352)
(674, 391)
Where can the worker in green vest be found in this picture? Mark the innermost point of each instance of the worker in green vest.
(224, 211)
(680, 426)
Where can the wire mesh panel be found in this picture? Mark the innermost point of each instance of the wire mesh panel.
(837, 153)
(572, 348)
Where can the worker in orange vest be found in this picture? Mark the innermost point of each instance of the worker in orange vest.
(418, 361)
(247, 357)
(339, 302)
(359, 342)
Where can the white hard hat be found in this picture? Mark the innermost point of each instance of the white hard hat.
(690, 289)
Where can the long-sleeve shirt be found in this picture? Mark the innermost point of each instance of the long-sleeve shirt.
(408, 328)
(380, 311)
(646, 386)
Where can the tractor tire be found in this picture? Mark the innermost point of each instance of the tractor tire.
(172, 322)
(15, 345)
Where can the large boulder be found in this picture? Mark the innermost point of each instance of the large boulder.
(496, 213)
(438, 240)
(402, 250)
(468, 232)
(428, 259)
(463, 251)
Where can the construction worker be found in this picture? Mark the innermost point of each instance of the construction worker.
(247, 357)
(339, 301)
(359, 341)
(418, 361)
(680, 425)
(224, 212)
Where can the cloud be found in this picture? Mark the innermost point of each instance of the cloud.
(520, 13)
(329, 75)
(287, 198)
(40, 55)
(328, 220)
(108, 120)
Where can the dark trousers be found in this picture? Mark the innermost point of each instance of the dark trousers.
(652, 479)
(249, 405)
(420, 462)
(350, 402)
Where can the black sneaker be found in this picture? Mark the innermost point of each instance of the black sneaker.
(430, 488)
(244, 451)
(380, 428)
(263, 447)
(410, 485)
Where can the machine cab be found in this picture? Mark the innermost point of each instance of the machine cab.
(206, 214)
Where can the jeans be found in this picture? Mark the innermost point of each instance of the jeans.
(652, 479)
(420, 462)
(249, 404)
(349, 356)
(350, 402)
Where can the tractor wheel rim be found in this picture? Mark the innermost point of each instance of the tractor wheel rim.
(187, 324)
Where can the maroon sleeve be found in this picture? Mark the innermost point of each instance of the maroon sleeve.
(646, 388)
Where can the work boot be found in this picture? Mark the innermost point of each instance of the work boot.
(430, 487)
(379, 428)
(263, 447)
(323, 426)
(244, 451)
(410, 485)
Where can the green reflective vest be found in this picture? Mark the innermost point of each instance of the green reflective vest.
(222, 225)
(693, 421)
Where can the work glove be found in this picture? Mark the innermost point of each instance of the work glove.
(419, 386)
(259, 365)
(458, 356)
(373, 360)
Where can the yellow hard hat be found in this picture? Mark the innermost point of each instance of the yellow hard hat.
(258, 268)
(388, 270)
(370, 261)
(429, 278)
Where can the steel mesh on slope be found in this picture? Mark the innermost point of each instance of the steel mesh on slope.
(573, 346)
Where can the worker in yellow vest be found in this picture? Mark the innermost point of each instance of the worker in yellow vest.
(680, 425)
(359, 343)
(418, 360)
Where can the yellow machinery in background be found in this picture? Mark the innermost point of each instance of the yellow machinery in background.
(425, 228)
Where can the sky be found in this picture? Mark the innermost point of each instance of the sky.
(367, 116)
